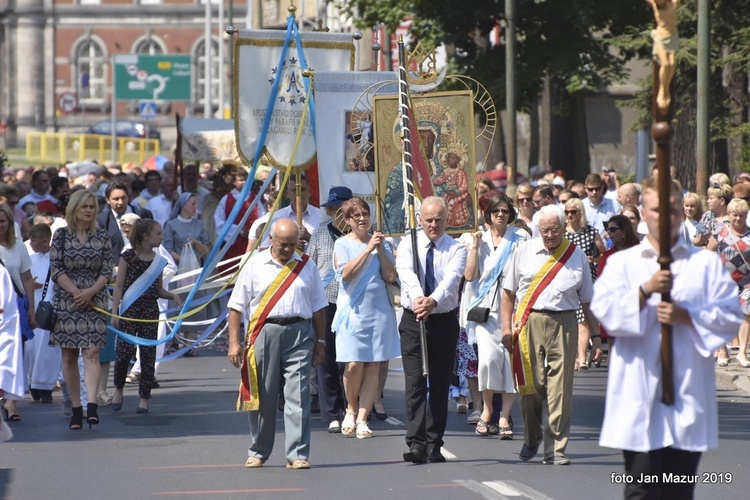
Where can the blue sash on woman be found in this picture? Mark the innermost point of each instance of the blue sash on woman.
(142, 284)
(132, 294)
(502, 254)
(328, 278)
(348, 297)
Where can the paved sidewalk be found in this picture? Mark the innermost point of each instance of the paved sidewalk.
(733, 375)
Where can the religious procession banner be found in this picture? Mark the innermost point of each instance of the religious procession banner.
(207, 139)
(445, 122)
(343, 122)
(258, 53)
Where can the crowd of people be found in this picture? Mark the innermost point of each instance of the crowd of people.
(515, 308)
(64, 239)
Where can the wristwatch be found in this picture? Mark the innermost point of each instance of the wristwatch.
(322, 341)
(643, 290)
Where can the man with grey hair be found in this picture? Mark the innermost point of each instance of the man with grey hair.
(549, 276)
(429, 293)
(282, 298)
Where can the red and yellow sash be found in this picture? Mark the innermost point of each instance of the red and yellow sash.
(521, 349)
(248, 399)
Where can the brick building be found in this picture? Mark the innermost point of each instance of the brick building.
(48, 47)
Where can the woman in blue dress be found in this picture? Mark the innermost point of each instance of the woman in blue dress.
(365, 321)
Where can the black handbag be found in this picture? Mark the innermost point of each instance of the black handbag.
(479, 314)
(45, 313)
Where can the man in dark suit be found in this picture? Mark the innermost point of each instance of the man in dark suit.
(117, 205)
(442, 261)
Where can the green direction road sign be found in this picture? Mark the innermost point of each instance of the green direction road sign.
(143, 77)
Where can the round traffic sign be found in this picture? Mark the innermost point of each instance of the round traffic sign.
(67, 102)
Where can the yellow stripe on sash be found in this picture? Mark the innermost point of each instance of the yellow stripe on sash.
(249, 399)
(522, 363)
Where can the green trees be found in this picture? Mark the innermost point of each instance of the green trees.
(565, 44)
(730, 63)
(568, 40)
(580, 46)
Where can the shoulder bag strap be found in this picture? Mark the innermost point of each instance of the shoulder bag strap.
(49, 272)
(46, 282)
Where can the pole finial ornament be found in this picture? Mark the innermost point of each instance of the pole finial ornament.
(666, 40)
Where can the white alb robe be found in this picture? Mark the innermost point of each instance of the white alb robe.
(42, 361)
(11, 356)
(635, 419)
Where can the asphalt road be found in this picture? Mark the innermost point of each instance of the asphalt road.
(193, 445)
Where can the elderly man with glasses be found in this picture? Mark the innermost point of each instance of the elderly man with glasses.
(550, 277)
(598, 208)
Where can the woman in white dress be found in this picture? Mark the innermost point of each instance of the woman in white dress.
(488, 254)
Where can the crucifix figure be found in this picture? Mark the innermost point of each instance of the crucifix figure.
(666, 40)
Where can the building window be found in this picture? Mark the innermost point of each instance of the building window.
(150, 46)
(199, 57)
(90, 70)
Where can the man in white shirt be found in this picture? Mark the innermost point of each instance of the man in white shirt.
(609, 176)
(237, 239)
(152, 178)
(161, 205)
(656, 438)
(429, 294)
(598, 208)
(547, 344)
(310, 214)
(288, 342)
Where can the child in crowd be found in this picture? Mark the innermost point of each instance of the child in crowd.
(42, 362)
(137, 289)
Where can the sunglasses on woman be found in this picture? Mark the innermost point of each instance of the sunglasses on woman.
(498, 211)
(612, 229)
(571, 212)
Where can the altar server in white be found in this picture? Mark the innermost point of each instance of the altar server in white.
(42, 361)
(663, 442)
(11, 356)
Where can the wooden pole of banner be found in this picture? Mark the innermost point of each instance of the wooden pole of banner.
(406, 162)
(665, 40)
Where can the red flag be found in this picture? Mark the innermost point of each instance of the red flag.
(421, 173)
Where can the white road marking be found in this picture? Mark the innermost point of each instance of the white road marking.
(501, 488)
(447, 454)
(505, 490)
(394, 421)
(524, 490)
